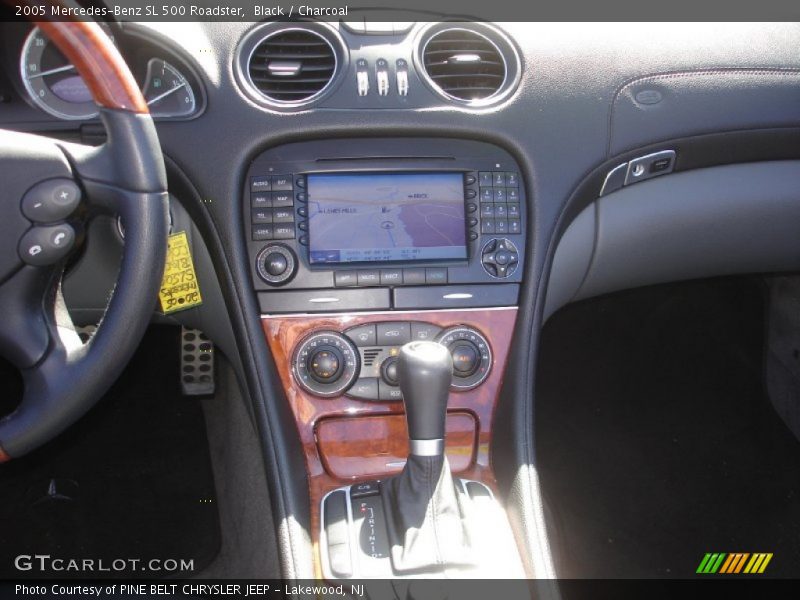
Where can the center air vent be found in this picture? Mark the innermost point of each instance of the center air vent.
(465, 65)
(292, 66)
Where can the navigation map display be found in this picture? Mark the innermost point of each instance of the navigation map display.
(386, 217)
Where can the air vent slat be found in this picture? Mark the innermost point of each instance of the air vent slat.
(464, 64)
(310, 59)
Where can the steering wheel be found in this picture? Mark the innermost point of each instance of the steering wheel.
(49, 191)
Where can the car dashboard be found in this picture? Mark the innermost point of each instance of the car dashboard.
(349, 187)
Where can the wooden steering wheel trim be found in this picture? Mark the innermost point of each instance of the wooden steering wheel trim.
(99, 63)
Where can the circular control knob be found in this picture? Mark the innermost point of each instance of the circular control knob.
(500, 258)
(472, 356)
(325, 363)
(466, 358)
(275, 264)
(389, 371)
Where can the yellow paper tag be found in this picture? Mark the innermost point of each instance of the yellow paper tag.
(179, 288)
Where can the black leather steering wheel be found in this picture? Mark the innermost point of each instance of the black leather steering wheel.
(50, 189)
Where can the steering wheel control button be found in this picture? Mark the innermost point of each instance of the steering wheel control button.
(275, 264)
(472, 356)
(51, 201)
(42, 246)
(500, 258)
(325, 364)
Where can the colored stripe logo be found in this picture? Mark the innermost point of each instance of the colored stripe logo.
(734, 563)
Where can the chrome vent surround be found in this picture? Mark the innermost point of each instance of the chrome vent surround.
(474, 65)
(290, 65)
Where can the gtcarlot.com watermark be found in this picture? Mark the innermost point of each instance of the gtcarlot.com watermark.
(45, 563)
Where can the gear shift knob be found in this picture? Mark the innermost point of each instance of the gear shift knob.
(425, 370)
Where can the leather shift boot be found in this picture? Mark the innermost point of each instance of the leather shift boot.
(423, 516)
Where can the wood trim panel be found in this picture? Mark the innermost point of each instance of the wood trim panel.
(284, 332)
(377, 446)
(99, 63)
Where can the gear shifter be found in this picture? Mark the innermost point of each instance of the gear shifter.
(421, 503)
(425, 370)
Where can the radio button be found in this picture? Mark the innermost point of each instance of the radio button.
(413, 276)
(300, 182)
(391, 277)
(485, 179)
(284, 232)
(303, 240)
(365, 388)
(262, 215)
(303, 225)
(498, 179)
(345, 278)
(472, 221)
(435, 276)
(261, 200)
(487, 194)
(512, 179)
(471, 207)
(282, 199)
(470, 194)
(367, 278)
(393, 334)
(260, 184)
(302, 197)
(282, 215)
(514, 226)
(363, 335)
(263, 232)
(469, 179)
(487, 226)
(473, 235)
(302, 211)
(281, 183)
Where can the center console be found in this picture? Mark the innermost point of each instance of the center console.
(359, 249)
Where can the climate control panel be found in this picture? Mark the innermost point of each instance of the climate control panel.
(361, 362)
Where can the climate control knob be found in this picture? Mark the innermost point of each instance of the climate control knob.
(325, 363)
(472, 356)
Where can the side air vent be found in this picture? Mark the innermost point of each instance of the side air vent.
(467, 65)
(292, 66)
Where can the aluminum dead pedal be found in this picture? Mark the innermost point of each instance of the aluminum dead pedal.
(197, 363)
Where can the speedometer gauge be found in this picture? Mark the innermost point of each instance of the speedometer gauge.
(52, 82)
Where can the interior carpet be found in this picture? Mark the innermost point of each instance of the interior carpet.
(656, 442)
(131, 480)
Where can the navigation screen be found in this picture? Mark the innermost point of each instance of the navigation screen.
(386, 217)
